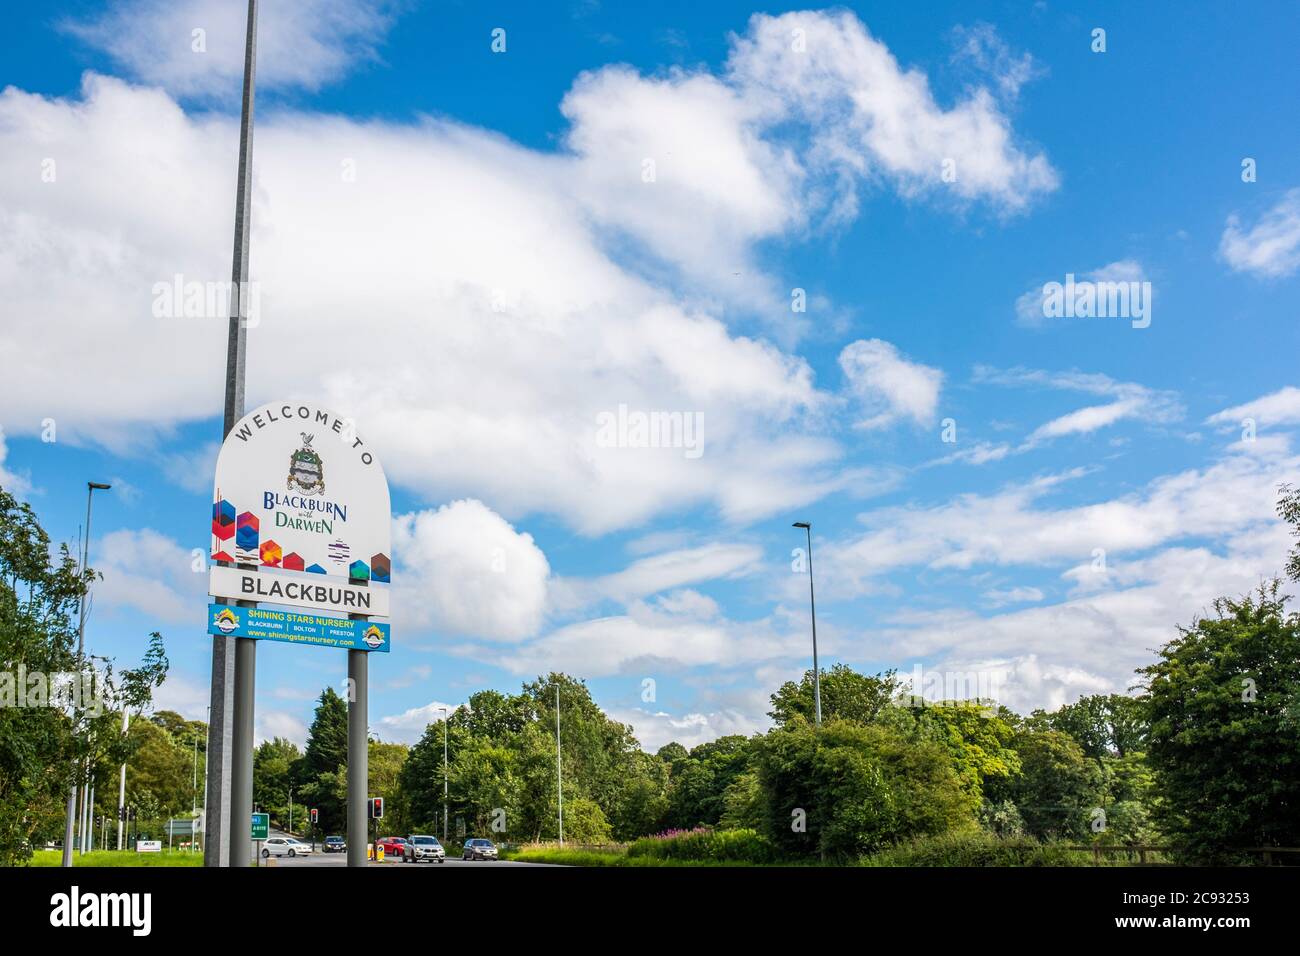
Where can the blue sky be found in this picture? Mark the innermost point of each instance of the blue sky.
(463, 250)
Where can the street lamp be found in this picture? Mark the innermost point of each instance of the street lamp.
(444, 775)
(817, 679)
(559, 770)
(91, 488)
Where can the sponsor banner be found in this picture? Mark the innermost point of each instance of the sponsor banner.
(296, 627)
(319, 593)
(148, 846)
(298, 490)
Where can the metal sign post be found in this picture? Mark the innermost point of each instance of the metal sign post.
(219, 848)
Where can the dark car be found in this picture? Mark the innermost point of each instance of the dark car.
(479, 849)
(334, 844)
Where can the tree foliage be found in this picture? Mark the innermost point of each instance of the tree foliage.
(1224, 701)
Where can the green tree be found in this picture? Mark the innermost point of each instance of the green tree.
(979, 741)
(846, 695)
(274, 762)
(642, 805)
(699, 781)
(1057, 789)
(845, 789)
(1103, 725)
(584, 822)
(159, 772)
(1224, 702)
(324, 763)
(41, 743)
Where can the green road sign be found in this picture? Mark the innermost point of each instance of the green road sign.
(261, 826)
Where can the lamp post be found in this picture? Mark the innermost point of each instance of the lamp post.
(70, 821)
(444, 774)
(812, 600)
(559, 770)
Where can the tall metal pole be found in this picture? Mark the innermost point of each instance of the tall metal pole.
(241, 757)
(88, 818)
(121, 785)
(225, 713)
(559, 770)
(71, 818)
(812, 600)
(445, 715)
(358, 756)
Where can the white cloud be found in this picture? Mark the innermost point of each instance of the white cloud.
(16, 484)
(1023, 595)
(1010, 527)
(889, 386)
(660, 572)
(183, 694)
(409, 726)
(654, 729)
(1277, 408)
(303, 43)
(1131, 400)
(465, 570)
(1089, 419)
(192, 470)
(981, 47)
(152, 574)
(1092, 643)
(1271, 247)
(869, 116)
(502, 312)
(978, 454)
(674, 633)
(270, 724)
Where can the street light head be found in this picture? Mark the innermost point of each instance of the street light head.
(98, 485)
(801, 524)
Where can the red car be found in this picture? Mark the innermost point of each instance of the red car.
(392, 846)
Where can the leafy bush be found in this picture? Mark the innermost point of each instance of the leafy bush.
(973, 848)
(842, 790)
(717, 846)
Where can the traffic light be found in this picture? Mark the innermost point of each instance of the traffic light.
(121, 813)
(314, 813)
(376, 808)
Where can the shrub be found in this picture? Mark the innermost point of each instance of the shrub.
(718, 846)
(973, 848)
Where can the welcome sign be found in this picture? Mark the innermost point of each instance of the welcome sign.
(298, 490)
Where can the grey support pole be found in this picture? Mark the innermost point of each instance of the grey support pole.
(812, 601)
(241, 757)
(559, 770)
(73, 820)
(221, 722)
(358, 755)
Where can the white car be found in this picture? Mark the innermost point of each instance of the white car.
(285, 846)
(422, 847)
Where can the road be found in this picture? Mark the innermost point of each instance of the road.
(318, 859)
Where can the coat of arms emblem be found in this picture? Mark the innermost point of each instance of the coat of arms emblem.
(306, 470)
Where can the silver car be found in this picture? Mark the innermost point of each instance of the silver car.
(419, 847)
